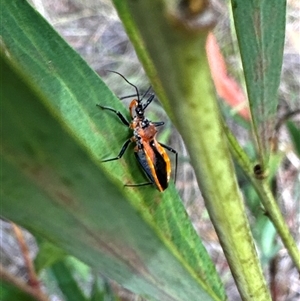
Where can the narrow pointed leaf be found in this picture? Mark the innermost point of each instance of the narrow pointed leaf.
(47, 255)
(260, 27)
(294, 132)
(102, 291)
(67, 283)
(9, 292)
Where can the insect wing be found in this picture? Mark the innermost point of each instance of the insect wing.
(155, 169)
(160, 168)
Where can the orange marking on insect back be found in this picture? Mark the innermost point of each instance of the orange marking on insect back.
(164, 154)
(150, 156)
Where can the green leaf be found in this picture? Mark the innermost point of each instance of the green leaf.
(260, 27)
(47, 255)
(269, 246)
(53, 183)
(67, 283)
(101, 291)
(9, 292)
(294, 132)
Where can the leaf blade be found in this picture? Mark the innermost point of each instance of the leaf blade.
(260, 27)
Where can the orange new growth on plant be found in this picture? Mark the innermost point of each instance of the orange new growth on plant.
(227, 88)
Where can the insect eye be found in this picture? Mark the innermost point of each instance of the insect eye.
(139, 110)
(145, 123)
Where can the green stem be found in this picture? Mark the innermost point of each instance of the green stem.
(263, 189)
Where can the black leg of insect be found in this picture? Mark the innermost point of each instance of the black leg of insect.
(150, 154)
(119, 114)
(121, 153)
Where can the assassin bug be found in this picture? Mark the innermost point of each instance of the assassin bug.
(150, 153)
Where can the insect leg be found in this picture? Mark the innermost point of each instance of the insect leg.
(158, 123)
(172, 150)
(119, 114)
(121, 153)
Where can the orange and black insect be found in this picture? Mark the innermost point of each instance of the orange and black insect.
(150, 153)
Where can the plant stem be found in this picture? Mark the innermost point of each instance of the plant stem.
(263, 189)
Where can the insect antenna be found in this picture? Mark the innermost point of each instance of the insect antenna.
(131, 95)
(135, 87)
(128, 96)
(134, 95)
